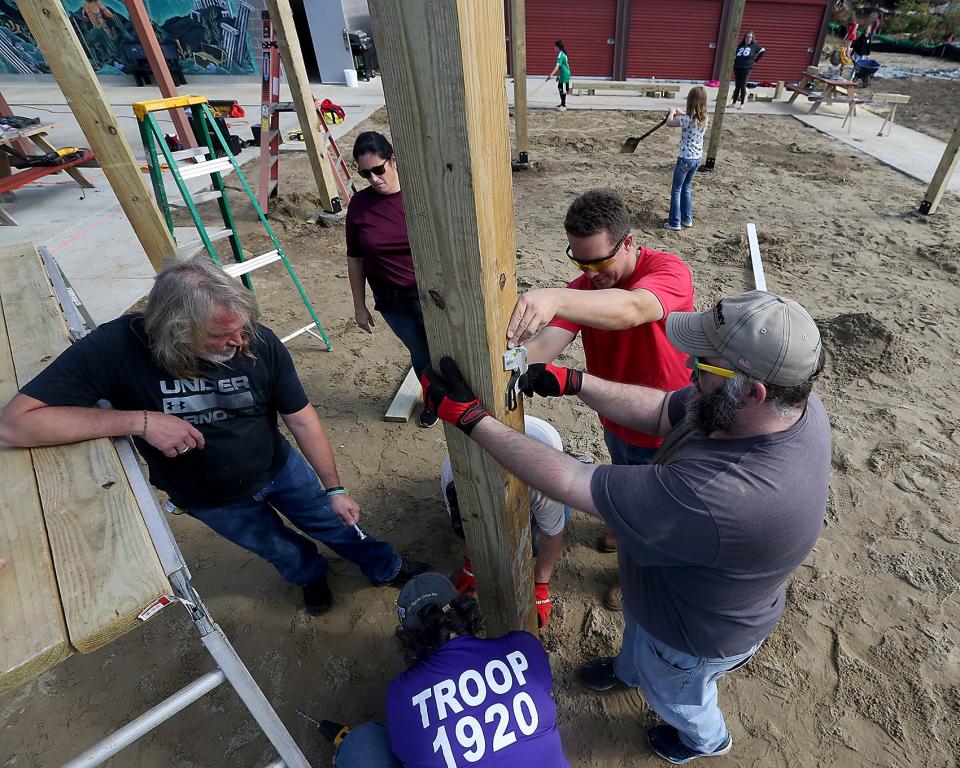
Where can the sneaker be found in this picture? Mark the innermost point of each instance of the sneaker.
(428, 419)
(333, 732)
(686, 224)
(607, 542)
(562, 108)
(317, 597)
(466, 582)
(598, 674)
(668, 225)
(541, 593)
(408, 569)
(665, 741)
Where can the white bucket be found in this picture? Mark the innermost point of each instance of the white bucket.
(351, 76)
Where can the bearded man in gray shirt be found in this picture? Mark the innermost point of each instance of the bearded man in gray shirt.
(710, 532)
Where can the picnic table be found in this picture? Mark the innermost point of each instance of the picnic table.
(832, 87)
(90, 554)
(9, 181)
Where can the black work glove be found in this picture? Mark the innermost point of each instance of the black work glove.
(449, 396)
(550, 380)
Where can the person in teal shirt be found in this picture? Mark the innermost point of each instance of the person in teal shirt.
(562, 71)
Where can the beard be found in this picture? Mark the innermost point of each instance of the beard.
(717, 411)
(222, 355)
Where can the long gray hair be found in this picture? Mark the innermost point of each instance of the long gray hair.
(181, 306)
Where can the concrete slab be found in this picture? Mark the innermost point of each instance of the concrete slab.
(89, 235)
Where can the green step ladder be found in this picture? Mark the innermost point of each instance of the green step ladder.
(211, 159)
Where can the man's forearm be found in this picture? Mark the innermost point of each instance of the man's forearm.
(611, 309)
(56, 425)
(633, 406)
(553, 472)
(315, 446)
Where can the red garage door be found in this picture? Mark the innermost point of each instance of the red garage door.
(788, 30)
(673, 39)
(587, 30)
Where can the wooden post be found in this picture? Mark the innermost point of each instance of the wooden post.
(59, 45)
(158, 66)
(726, 67)
(443, 63)
(518, 50)
(941, 178)
(286, 33)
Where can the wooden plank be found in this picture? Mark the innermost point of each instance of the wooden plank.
(18, 144)
(406, 399)
(107, 569)
(58, 43)
(518, 52)
(290, 53)
(948, 163)
(147, 36)
(733, 21)
(759, 280)
(442, 63)
(33, 636)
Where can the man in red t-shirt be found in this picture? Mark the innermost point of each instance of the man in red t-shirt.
(620, 306)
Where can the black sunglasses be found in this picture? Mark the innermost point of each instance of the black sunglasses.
(377, 170)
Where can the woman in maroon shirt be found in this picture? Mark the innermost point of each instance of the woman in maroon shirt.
(378, 253)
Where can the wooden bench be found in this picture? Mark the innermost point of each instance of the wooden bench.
(643, 88)
(82, 566)
(892, 101)
(799, 90)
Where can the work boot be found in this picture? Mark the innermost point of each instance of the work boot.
(598, 674)
(317, 597)
(665, 741)
(466, 582)
(427, 419)
(607, 542)
(408, 569)
(614, 598)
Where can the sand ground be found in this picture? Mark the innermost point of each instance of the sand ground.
(862, 671)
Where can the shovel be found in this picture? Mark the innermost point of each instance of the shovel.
(631, 143)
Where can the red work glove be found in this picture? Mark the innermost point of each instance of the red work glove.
(449, 396)
(541, 593)
(466, 582)
(550, 381)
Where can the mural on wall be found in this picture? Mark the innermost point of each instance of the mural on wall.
(203, 36)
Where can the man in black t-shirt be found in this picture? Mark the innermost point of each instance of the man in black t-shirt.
(710, 532)
(199, 384)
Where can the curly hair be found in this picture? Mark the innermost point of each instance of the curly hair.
(598, 210)
(461, 617)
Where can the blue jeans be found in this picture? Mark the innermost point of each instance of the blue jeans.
(366, 746)
(681, 198)
(295, 492)
(682, 689)
(622, 452)
(401, 310)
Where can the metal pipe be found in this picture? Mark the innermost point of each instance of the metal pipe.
(125, 736)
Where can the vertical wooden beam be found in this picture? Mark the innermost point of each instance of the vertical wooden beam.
(442, 63)
(732, 22)
(59, 45)
(518, 51)
(313, 134)
(621, 45)
(158, 66)
(948, 163)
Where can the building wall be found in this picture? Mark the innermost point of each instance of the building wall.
(210, 36)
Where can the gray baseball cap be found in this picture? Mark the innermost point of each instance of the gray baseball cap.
(430, 588)
(764, 336)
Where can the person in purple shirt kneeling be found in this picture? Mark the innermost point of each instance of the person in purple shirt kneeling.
(378, 253)
(464, 700)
